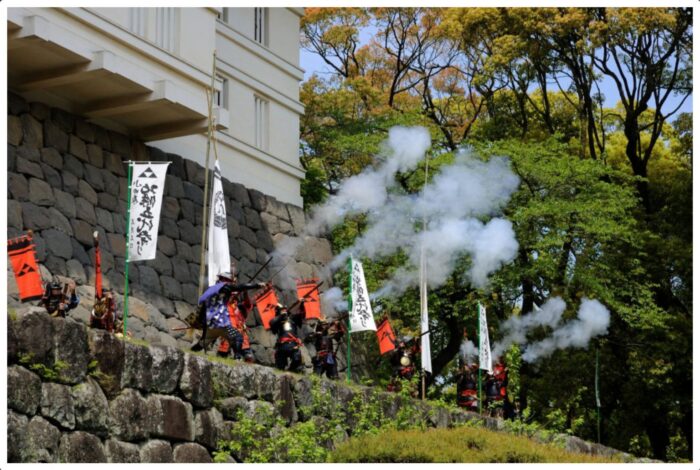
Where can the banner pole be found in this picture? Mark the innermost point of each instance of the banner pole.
(347, 369)
(205, 216)
(478, 335)
(597, 390)
(126, 259)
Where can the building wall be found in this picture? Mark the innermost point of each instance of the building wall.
(156, 89)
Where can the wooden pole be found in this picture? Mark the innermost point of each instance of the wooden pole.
(126, 261)
(205, 218)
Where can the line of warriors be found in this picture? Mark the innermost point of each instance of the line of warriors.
(494, 388)
(59, 298)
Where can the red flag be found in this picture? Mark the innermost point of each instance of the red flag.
(266, 301)
(98, 269)
(306, 290)
(23, 258)
(386, 337)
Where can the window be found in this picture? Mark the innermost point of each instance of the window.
(166, 28)
(221, 97)
(137, 21)
(261, 123)
(261, 25)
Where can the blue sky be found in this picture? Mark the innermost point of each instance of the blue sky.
(312, 63)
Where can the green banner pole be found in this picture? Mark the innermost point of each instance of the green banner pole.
(597, 390)
(128, 236)
(478, 336)
(347, 369)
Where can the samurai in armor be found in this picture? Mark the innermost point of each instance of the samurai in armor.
(325, 359)
(103, 314)
(403, 360)
(287, 347)
(58, 299)
(213, 312)
(467, 387)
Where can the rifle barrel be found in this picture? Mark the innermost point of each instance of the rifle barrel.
(257, 273)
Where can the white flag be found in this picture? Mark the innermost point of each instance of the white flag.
(424, 321)
(218, 254)
(484, 345)
(147, 182)
(361, 317)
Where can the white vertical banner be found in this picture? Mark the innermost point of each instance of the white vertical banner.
(146, 198)
(426, 362)
(361, 317)
(218, 258)
(484, 344)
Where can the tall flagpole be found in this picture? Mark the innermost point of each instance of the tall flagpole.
(424, 287)
(128, 237)
(347, 369)
(210, 132)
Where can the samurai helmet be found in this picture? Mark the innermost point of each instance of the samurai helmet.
(226, 276)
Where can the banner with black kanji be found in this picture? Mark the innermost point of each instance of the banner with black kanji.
(361, 317)
(23, 259)
(146, 198)
(307, 290)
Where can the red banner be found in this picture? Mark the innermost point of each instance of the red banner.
(306, 290)
(23, 258)
(266, 301)
(386, 337)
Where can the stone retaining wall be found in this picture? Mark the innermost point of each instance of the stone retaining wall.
(66, 178)
(81, 395)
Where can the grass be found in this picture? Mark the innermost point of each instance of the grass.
(463, 444)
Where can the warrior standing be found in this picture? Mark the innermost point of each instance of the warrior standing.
(214, 315)
(325, 359)
(287, 347)
(403, 362)
(239, 306)
(467, 394)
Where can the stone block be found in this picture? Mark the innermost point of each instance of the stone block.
(23, 390)
(102, 138)
(70, 183)
(187, 210)
(168, 363)
(75, 270)
(70, 348)
(87, 192)
(231, 407)
(65, 203)
(51, 176)
(258, 200)
(171, 288)
(169, 228)
(26, 166)
(190, 453)
(173, 187)
(110, 203)
(16, 436)
(93, 176)
(156, 451)
(171, 208)
(167, 246)
(121, 452)
(17, 187)
(85, 130)
(90, 404)
(149, 279)
(81, 447)
(249, 236)
(77, 147)
(121, 144)
(41, 441)
(188, 232)
(52, 157)
(55, 137)
(138, 365)
(82, 231)
(196, 381)
(119, 222)
(96, 156)
(235, 381)
(207, 427)
(14, 130)
(57, 404)
(195, 172)
(113, 163)
(270, 223)
(32, 131)
(161, 264)
(172, 418)
(248, 251)
(104, 219)
(74, 166)
(130, 417)
(252, 218)
(34, 337)
(264, 240)
(29, 153)
(58, 243)
(63, 119)
(14, 214)
(190, 294)
(108, 351)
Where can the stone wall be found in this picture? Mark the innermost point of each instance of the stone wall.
(66, 178)
(76, 394)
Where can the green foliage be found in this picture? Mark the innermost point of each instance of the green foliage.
(51, 373)
(463, 444)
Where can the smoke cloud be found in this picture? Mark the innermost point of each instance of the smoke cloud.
(333, 302)
(453, 206)
(592, 320)
(468, 352)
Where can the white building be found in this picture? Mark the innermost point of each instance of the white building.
(144, 72)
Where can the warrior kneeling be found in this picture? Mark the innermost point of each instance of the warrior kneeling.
(58, 299)
(103, 314)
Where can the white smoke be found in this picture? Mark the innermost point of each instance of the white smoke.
(333, 302)
(451, 205)
(592, 320)
(468, 352)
